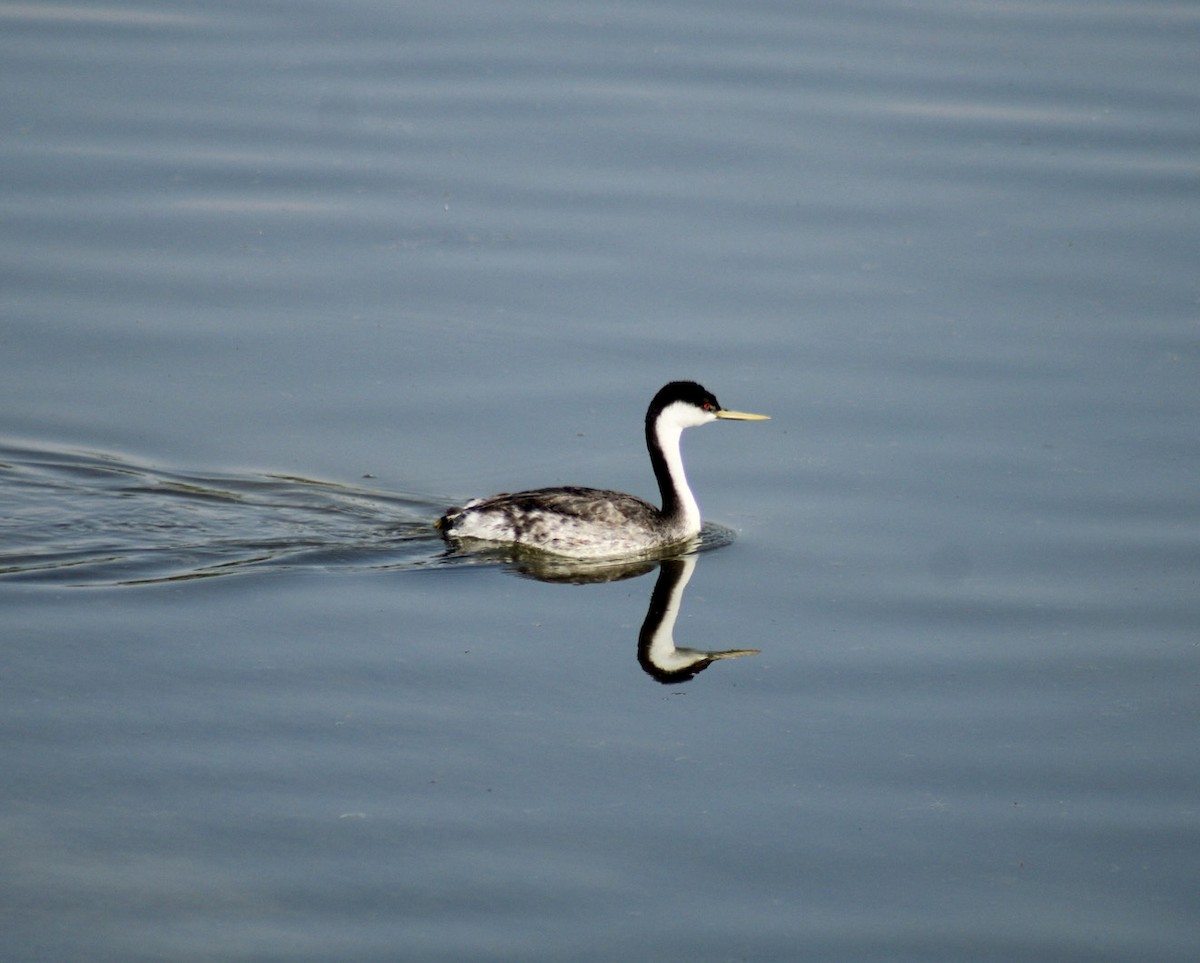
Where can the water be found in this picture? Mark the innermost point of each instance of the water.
(280, 286)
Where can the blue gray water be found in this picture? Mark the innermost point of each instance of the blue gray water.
(279, 283)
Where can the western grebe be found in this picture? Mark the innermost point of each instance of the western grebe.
(594, 523)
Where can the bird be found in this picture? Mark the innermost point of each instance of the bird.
(591, 523)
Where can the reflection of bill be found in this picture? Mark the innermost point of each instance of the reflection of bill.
(657, 652)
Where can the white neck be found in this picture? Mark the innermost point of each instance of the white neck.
(668, 432)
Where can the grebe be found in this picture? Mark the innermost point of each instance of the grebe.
(591, 523)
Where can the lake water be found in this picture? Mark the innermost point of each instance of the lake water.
(281, 282)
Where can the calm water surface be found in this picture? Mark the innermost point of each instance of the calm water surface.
(277, 286)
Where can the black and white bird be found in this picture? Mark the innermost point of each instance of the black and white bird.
(591, 523)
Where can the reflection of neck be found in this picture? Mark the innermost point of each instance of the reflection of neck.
(657, 652)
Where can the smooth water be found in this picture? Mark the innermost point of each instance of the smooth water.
(279, 284)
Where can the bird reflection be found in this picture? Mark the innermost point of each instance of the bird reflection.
(658, 654)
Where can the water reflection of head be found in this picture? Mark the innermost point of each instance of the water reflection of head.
(658, 654)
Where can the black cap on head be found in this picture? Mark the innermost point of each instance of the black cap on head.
(686, 391)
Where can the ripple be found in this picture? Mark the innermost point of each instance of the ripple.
(85, 518)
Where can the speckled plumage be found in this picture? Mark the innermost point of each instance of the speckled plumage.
(580, 522)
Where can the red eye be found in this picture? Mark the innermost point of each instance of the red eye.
(708, 406)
